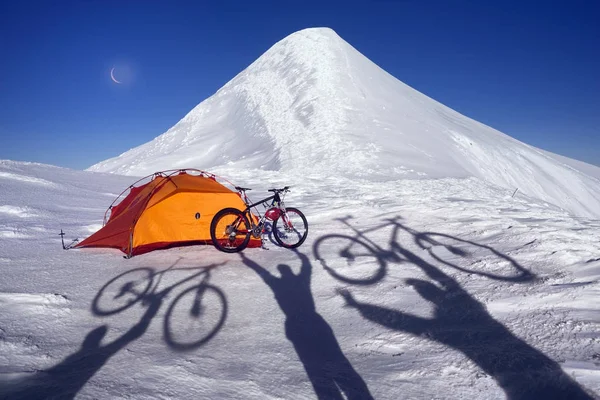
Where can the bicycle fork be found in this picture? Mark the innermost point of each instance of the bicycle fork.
(196, 310)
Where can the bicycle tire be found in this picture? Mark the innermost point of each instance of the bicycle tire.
(427, 242)
(98, 304)
(363, 266)
(185, 341)
(230, 242)
(277, 232)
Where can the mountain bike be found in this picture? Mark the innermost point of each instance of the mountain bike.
(231, 229)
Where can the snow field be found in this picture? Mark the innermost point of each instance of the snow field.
(520, 268)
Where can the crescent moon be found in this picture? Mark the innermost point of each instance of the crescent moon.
(112, 76)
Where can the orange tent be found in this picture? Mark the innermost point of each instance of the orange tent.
(174, 208)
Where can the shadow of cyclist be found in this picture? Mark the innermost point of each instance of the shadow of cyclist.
(65, 380)
(329, 371)
(463, 323)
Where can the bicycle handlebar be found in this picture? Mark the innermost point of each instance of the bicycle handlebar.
(243, 189)
(285, 189)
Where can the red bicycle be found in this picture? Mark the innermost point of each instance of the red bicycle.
(231, 229)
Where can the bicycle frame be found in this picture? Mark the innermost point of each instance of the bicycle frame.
(204, 273)
(232, 228)
(275, 210)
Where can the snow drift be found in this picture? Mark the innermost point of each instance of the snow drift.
(312, 104)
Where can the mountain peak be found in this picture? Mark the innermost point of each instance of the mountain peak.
(315, 33)
(313, 105)
(309, 38)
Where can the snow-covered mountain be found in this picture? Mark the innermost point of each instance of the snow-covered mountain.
(312, 104)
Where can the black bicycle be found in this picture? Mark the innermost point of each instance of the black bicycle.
(231, 229)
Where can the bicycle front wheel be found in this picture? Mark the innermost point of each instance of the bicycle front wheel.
(195, 317)
(230, 230)
(291, 228)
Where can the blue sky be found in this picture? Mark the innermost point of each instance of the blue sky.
(527, 68)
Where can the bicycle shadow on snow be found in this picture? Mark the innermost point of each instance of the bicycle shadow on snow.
(361, 248)
(330, 373)
(459, 320)
(192, 318)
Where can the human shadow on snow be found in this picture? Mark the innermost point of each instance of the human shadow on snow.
(66, 379)
(328, 369)
(463, 323)
(202, 304)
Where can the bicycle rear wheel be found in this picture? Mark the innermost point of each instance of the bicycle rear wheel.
(230, 230)
(291, 228)
(122, 291)
(350, 260)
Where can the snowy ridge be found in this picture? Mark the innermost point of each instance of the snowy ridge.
(313, 105)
